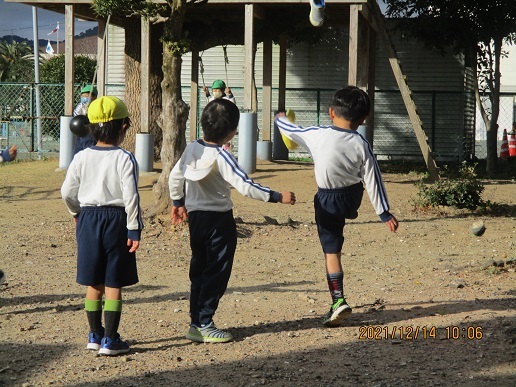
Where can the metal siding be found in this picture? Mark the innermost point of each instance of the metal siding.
(426, 71)
(508, 69)
(324, 66)
(115, 73)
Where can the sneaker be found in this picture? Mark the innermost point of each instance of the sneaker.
(2, 277)
(113, 346)
(317, 12)
(338, 312)
(208, 334)
(94, 341)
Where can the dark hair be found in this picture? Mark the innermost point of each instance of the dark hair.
(219, 118)
(109, 132)
(351, 103)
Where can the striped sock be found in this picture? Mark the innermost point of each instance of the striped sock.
(94, 313)
(336, 285)
(112, 314)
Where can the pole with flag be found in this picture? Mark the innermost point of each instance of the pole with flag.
(55, 30)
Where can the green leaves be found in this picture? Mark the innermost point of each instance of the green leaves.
(458, 191)
(53, 70)
(16, 62)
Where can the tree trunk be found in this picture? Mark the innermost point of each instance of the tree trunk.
(133, 84)
(174, 109)
(132, 64)
(492, 131)
(156, 77)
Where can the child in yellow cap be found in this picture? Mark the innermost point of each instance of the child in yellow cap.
(101, 192)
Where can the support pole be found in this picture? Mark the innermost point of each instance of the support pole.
(267, 90)
(144, 147)
(194, 93)
(280, 151)
(69, 55)
(145, 76)
(36, 78)
(353, 45)
(248, 56)
(247, 137)
(66, 142)
(101, 59)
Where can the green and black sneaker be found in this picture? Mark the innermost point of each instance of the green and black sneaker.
(338, 312)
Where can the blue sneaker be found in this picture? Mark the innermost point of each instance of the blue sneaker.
(317, 12)
(94, 341)
(113, 346)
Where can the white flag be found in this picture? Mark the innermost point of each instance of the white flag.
(54, 30)
(49, 49)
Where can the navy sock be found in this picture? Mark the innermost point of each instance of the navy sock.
(336, 285)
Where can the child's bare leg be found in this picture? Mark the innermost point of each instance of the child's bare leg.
(333, 263)
(113, 293)
(95, 292)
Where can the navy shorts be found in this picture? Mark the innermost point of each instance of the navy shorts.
(103, 256)
(332, 208)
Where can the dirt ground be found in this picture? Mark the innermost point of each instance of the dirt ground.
(429, 306)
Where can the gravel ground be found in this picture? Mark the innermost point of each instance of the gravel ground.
(433, 304)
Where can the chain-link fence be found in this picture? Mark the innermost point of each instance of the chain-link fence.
(20, 121)
(507, 117)
(451, 134)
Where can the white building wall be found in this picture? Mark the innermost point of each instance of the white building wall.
(324, 66)
(115, 66)
(508, 70)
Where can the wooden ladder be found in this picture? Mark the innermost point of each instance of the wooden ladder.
(406, 94)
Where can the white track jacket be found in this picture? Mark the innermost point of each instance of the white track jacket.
(342, 157)
(201, 180)
(104, 176)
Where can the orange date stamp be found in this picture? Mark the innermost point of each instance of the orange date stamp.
(409, 332)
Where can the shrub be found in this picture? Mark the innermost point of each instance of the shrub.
(53, 70)
(460, 190)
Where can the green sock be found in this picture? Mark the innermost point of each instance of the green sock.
(94, 313)
(112, 314)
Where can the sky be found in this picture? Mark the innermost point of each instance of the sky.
(16, 19)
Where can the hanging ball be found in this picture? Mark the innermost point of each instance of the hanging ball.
(79, 125)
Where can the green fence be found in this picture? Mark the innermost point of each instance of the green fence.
(454, 132)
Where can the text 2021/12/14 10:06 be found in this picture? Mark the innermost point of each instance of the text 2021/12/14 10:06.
(416, 332)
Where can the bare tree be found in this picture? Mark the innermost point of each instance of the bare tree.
(477, 28)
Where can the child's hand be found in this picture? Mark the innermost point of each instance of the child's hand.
(133, 245)
(178, 214)
(392, 224)
(13, 151)
(287, 197)
(279, 114)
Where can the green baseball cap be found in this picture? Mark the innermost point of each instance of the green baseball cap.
(89, 89)
(218, 84)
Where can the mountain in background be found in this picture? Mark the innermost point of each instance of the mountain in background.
(52, 38)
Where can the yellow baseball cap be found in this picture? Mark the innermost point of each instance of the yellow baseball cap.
(105, 109)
